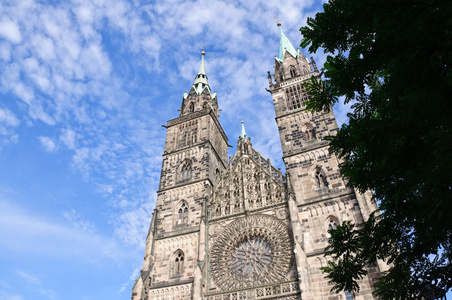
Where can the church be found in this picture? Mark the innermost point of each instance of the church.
(239, 228)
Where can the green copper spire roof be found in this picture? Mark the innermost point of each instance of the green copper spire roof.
(201, 77)
(243, 135)
(285, 45)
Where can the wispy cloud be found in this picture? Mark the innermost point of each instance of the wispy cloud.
(51, 238)
(34, 280)
(47, 143)
(30, 278)
(78, 222)
(133, 276)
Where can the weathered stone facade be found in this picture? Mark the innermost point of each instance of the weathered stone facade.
(241, 229)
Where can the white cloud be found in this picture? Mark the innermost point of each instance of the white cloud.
(51, 239)
(76, 220)
(51, 294)
(34, 280)
(47, 143)
(68, 138)
(5, 51)
(30, 278)
(8, 118)
(134, 224)
(133, 276)
(10, 30)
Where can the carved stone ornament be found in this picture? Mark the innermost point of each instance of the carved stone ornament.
(251, 251)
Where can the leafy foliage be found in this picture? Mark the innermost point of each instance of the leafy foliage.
(392, 61)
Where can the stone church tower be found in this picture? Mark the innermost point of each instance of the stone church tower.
(240, 228)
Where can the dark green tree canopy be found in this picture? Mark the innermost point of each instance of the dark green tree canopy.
(392, 60)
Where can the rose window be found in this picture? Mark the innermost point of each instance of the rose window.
(250, 251)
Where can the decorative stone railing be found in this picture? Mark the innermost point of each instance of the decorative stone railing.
(286, 290)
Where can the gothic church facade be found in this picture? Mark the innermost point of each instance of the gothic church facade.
(239, 228)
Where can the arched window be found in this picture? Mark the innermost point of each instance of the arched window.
(293, 72)
(218, 211)
(182, 214)
(281, 77)
(305, 71)
(191, 107)
(185, 171)
(332, 224)
(204, 106)
(309, 132)
(268, 199)
(178, 263)
(320, 178)
(259, 201)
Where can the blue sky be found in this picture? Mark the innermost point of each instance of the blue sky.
(85, 86)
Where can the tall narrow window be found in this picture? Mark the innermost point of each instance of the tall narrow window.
(178, 263)
(320, 178)
(293, 72)
(309, 132)
(191, 108)
(185, 170)
(182, 214)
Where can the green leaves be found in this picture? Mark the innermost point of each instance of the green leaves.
(346, 268)
(324, 94)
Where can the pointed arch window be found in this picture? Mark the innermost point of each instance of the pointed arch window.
(182, 214)
(258, 201)
(178, 263)
(218, 210)
(293, 72)
(332, 224)
(191, 107)
(185, 171)
(320, 178)
(309, 132)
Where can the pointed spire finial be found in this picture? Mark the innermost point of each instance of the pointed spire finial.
(243, 135)
(201, 77)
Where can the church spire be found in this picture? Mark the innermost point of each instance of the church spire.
(243, 134)
(285, 45)
(201, 77)
(200, 96)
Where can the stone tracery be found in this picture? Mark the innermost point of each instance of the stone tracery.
(250, 247)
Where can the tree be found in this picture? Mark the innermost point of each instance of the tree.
(392, 61)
